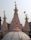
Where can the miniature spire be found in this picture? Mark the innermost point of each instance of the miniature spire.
(26, 18)
(4, 16)
(26, 27)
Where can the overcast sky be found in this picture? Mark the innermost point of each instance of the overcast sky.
(22, 5)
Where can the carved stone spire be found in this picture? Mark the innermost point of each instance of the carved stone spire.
(5, 27)
(15, 8)
(26, 27)
(15, 24)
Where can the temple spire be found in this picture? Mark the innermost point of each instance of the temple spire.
(5, 27)
(15, 24)
(26, 26)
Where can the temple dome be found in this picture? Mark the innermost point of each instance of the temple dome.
(16, 36)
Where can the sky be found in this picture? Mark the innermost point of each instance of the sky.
(9, 6)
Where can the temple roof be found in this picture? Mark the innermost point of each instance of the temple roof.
(16, 36)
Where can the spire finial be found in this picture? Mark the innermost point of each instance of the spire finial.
(15, 3)
(4, 15)
(26, 18)
(16, 7)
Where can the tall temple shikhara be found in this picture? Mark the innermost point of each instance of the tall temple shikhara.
(26, 28)
(15, 25)
(4, 26)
